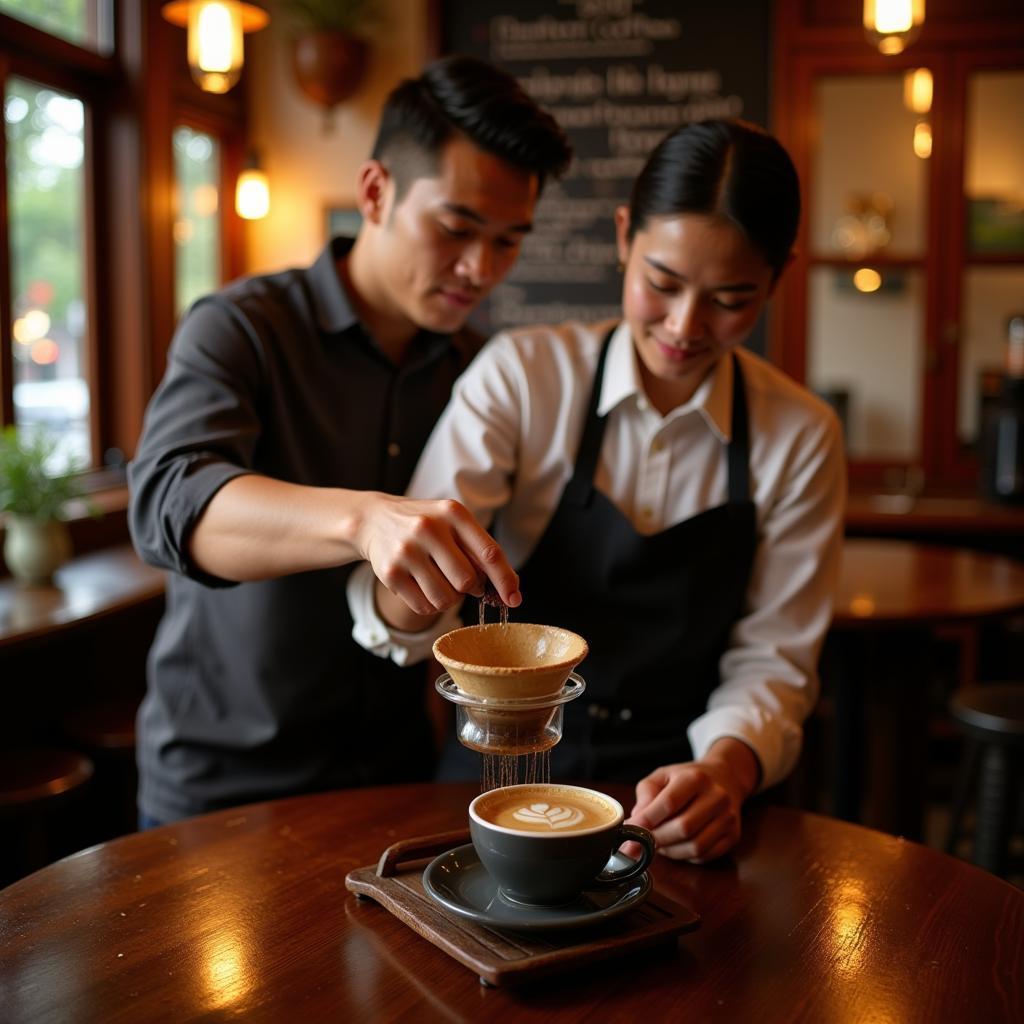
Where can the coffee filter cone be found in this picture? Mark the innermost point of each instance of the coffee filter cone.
(510, 661)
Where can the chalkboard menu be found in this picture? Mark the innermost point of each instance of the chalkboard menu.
(618, 75)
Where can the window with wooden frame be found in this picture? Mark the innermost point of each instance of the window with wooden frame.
(94, 93)
(910, 259)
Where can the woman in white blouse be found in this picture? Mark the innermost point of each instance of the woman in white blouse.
(670, 496)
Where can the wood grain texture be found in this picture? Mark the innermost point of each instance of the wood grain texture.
(244, 914)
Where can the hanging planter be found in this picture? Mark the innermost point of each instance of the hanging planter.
(329, 67)
(329, 52)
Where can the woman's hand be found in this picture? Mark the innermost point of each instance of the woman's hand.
(693, 808)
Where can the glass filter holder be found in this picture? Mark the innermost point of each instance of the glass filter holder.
(490, 725)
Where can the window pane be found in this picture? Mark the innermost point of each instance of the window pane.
(992, 295)
(197, 216)
(46, 197)
(869, 184)
(86, 23)
(865, 353)
(994, 168)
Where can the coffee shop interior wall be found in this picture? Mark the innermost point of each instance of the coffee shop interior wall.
(312, 166)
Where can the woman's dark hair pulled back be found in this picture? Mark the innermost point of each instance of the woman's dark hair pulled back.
(724, 168)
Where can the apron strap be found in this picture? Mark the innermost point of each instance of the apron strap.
(580, 489)
(738, 452)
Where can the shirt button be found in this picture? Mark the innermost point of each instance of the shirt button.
(394, 449)
(641, 404)
(657, 446)
(625, 714)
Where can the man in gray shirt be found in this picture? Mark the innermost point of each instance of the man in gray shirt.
(292, 412)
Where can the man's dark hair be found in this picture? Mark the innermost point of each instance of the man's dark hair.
(465, 96)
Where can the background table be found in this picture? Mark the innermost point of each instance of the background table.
(895, 596)
(86, 589)
(244, 914)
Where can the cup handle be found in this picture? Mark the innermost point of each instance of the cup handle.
(637, 834)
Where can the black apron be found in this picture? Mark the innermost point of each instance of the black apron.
(656, 611)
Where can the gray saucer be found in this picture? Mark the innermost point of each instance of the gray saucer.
(458, 881)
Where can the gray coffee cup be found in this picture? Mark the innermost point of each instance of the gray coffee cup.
(545, 844)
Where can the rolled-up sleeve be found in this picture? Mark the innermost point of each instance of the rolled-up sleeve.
(769, 670)
(200, 431)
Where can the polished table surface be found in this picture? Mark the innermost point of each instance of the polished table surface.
(85, 589)
(244, 914)
(898, 582)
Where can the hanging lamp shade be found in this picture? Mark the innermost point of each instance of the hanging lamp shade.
(892, 25)
(215, 30)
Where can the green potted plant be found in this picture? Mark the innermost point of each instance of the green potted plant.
(33, 497)
(329, 49)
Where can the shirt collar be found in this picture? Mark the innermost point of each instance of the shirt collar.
(334, 312)
(621, 374)
(713, 399)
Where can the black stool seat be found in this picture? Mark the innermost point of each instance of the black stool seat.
(37, 785)
(994, 713)
(32, 775)
(992, 719)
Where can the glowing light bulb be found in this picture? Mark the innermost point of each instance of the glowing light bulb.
(917, 90)
(867, 280)
(923, 139)
(215, 27)
(892, 25)
(252, 194)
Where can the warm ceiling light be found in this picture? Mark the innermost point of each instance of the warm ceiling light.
(917, 90)
(867, 280)
(215, 28)
(892, 25)
(252, 193)
(923, 139)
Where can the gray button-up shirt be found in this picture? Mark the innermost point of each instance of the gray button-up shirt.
(256, 689)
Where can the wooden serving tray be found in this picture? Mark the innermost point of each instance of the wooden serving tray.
(500, 957)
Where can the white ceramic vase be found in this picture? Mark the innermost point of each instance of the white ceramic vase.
(35, 548)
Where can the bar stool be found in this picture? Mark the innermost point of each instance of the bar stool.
(992, 719)
(35, 783)
(106, 733)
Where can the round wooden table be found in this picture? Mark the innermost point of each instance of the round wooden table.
(896, 597)
(244, 914)
(895, 583)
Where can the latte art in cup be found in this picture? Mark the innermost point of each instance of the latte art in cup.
(546, 809)
(544, 844)
(541, 815)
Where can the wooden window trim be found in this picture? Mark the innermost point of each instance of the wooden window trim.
(135, 96)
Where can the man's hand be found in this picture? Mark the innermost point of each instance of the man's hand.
(430, 554)
(693, 808)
